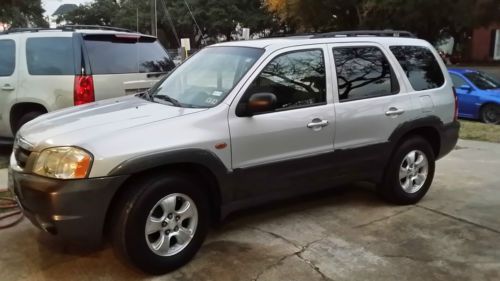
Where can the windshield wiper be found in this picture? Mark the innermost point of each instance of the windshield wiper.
(167, 99)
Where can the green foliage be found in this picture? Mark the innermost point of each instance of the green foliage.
(215, 17)
(22, 13)
(429, 19)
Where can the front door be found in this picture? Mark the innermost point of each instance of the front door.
(8, 82)
(279, 148)
(467, 100)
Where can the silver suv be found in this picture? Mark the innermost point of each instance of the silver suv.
(237, 124)
(42, 70)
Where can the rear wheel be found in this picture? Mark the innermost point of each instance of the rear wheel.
(490, 114)
(409, 173)
(25, 118)
(161, 223)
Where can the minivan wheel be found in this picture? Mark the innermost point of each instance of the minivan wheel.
(25, 118)
(409, 173)
(160, 223)
(490, 114)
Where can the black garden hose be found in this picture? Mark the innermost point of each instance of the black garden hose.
(13, 210)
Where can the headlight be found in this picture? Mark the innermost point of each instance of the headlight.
(63, 163)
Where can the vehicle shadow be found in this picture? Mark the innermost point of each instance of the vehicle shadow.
(56, 259)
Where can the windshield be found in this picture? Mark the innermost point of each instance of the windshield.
(206, 78)
(483, 81)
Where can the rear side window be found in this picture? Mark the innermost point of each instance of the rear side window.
(7, 57)
(420, 66)
(363, 72)
(112, 55)
(50, 56)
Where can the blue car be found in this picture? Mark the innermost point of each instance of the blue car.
(478, 95)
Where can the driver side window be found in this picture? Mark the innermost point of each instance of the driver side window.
(297, 79)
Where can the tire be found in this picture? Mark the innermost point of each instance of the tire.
(128, 234)
(409, 186)
(25, 118)
(490, 114)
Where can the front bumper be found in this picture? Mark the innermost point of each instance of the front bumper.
(72, 210)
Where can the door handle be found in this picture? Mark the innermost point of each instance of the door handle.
(394, 111)
(8, 87)
(317, 123)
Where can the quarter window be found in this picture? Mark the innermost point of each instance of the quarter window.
(7, 57)
(50, 56)
(420, 66)
(296, 78)
(363, 72)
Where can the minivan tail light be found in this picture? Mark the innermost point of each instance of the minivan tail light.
(84, 89)
(455, 117)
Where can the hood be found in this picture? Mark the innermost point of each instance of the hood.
(77, 125)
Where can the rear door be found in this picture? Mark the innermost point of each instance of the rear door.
(124, 64)
(8, 81)
(372, 102)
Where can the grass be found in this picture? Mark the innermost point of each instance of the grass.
(471, 130)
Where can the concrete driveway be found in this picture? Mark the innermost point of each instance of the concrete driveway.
(346, 234)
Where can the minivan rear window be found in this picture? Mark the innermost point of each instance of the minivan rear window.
(109, 54)
(420, 66)
(50, 56)
(7, 57)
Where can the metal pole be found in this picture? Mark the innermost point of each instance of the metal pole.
(156, 20)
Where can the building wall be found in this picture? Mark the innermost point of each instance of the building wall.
(481, 49)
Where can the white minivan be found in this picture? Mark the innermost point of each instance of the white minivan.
(42, 70)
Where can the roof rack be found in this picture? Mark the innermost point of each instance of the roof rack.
(366, 33)
(64, 28)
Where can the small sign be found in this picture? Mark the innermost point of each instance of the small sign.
(186, 43)
(246, 33)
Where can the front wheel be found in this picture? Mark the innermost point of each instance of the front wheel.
(410, 172)
(161, 223)
(490, 114)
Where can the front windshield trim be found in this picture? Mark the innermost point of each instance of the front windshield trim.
(244, 61)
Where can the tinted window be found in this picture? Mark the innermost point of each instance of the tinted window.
(363, 72)
(111, 55)
(483, 81)
(420, 67)
(7, 57)
(296, 78)
(153, 58)
(50, 56)
(457, 80)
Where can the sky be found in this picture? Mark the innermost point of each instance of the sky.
(51, 6)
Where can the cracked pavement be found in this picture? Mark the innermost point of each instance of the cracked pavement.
(343, 234)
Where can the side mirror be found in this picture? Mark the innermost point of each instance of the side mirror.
(257, 103)
(466, 88)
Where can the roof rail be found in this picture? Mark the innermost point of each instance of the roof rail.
(64, 28)
(363, 33)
